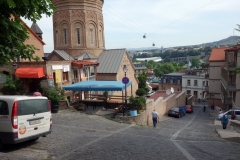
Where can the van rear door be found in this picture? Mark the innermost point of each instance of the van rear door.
(34, 117)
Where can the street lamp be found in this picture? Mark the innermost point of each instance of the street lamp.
(125, 69)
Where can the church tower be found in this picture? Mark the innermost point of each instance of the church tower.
(78, 26)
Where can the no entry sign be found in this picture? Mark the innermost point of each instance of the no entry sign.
(125, 80)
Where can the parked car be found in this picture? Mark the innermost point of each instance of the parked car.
(175, 112)
(229, 113)
(189, 109)
(183, 108)
(24, 118)
(150, 93)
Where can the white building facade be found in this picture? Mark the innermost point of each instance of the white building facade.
(196, 85)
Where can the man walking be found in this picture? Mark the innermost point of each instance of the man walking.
(155, 118)
(224, 121)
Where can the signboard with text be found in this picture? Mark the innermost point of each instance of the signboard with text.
(58, 75)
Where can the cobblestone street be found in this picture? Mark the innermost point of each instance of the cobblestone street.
(80, 136)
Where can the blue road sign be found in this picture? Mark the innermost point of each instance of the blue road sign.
(125, 80)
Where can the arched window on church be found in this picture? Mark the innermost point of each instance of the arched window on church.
(65, 35)
(78, 35)
(56, 37)
(100, 37)
(91, 36)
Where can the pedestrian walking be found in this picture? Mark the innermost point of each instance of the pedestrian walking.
(37, 93)
(199, 100)
(233, 115)
(204, 108)
(155, 118)
(220, 111)
(224, 121)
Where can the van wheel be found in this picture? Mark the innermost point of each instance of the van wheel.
(35, 139)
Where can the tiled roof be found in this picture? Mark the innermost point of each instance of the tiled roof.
(63, 54)
(85, 56)
(110, 60)
(46, 54)
(36, 28)
(218, 54)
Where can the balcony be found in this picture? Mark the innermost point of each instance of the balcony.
(228, 86)
(206, 75)
(206, 88)
(231, 65)
(227, 100)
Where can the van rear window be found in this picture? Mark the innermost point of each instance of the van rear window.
(33, 106)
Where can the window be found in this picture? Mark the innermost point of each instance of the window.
(56, 38)
(91, 35)
(65, 35)
(203, 83)
(65, 76)
(189, 82)
(100, 36)
(78, 35)
(237, 112)
(206, 83)
(3, 108)
(75, 74)
(195, 82)
(26, 107)
(188, 91)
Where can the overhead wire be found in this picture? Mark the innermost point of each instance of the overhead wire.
(135, 24)
(125, 26)
(172, 22)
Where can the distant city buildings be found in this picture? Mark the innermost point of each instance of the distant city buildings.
(155, 59)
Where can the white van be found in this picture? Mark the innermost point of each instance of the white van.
(229, 113)
(24, 118)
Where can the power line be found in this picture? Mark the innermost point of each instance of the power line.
(174, 21)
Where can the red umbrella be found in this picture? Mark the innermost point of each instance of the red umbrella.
(37, 94)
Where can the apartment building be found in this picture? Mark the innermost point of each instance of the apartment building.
(139, 69)
(216, 62)
(230, 81)
(171, 80)
(195, 82)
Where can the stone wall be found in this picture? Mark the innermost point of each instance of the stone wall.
(160, 105)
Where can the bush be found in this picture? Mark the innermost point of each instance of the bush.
(54, 93)
(141, 92)
(137, 103)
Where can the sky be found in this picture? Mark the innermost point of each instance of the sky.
(166, 23)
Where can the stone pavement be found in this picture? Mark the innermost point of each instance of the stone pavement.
(229, 133)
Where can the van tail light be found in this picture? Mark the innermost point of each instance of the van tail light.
(15, 116)
(49, 106)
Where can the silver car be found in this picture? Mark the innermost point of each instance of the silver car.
(229, 113)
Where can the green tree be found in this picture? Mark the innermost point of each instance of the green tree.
(13, 30)
(181, 64)
(238, 70)
(142, 78)
(12, 86)
(195, 63)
